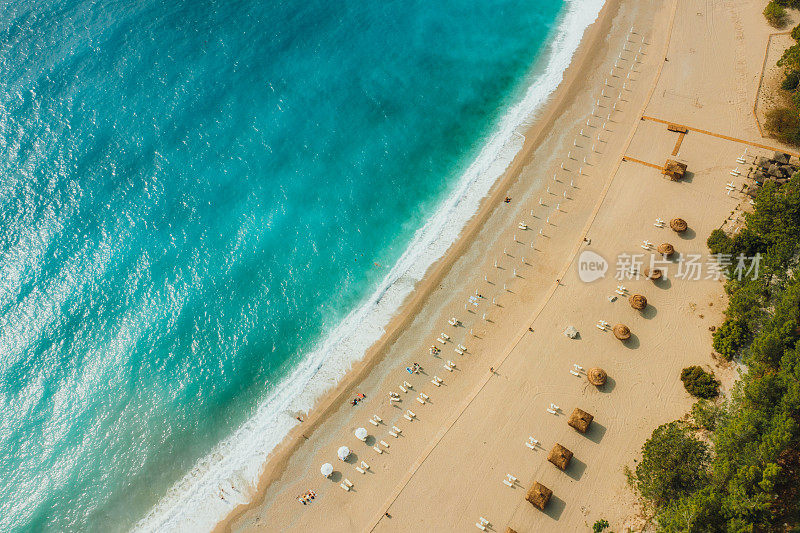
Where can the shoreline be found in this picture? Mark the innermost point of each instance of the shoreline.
(330, 401)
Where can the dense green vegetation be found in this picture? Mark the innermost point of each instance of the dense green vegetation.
(736, 468)
(784, 122)
(775, 14)
(700, 383)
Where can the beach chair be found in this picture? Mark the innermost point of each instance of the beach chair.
(440, 340)
(407, 417)
(459, 352)
(373, 422)
(393, 434)
(384, 444)
(511, 478)
(578, 367)
(403, 389)
(348, 482)
(397, 429)
(534, 441)
(377, 418)
(436, 383)
(531, 446)
(507, 482)
(574, 373)
(554, 406)
(394, 399)
(480, 526)
(364, 465)
(420, 400)
(551, 411)
(424, 395)
(345, 487)
(453, 321)
(600, 327)
(377, 449)
(407, 385)
(483, 521)
(445, 336)
(448, 367)
(462, 347)
(359, 469)
(411, 413)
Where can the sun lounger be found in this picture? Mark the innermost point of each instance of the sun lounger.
(598, 326)
(459, 352)
(507, 482)
(348, 482)
(359, 469)
(424, 395)
(407, 417)
(410, 412)
(483, 521)
(345, 487)
(394, 399)
(551, 411)
(529, 445)
(420, 400)
(576, 366)
(462, 347)
(377, 449)
(441, 340)
(403, 389)
(554, 406)
(621, 293)
(384, 444)
(393, 434)
(376, 417)
(511, 478)
(407, 385)
(374, 423)
(364, 465)
(436, 383)
(574, 373)
(445, 336)
(453, 321)
(534, 441)
(480, 526)
(397, 429)
(448, 367)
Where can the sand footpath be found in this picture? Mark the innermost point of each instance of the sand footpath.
(570, 191)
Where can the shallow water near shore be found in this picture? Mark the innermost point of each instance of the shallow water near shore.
(210, 210)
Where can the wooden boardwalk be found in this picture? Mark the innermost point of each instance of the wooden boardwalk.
(726, 137)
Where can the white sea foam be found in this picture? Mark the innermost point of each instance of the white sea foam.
(228, 476)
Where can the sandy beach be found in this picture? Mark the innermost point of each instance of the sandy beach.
(585, 180)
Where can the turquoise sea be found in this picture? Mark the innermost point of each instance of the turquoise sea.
(200, 201)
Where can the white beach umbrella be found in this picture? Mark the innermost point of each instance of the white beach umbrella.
(361, 434)
(327, 469)
(343, 452)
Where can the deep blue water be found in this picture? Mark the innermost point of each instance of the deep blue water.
(191, 193)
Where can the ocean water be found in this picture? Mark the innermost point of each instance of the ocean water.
(209, 209)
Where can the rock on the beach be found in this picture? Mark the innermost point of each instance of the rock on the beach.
(571, 332)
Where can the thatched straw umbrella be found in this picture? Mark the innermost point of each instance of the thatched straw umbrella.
(678, 225)
(638, 301)
(622, 332)
(580, 420)
(654, 274)
(666, 249)
(597, 376)
(560, 456)
(539, 495)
